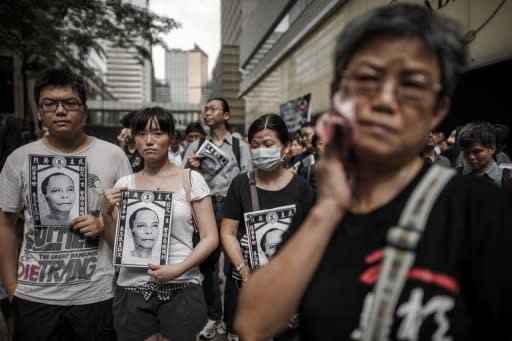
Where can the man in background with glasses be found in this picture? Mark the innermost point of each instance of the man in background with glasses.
(216, 115)
(65, 293)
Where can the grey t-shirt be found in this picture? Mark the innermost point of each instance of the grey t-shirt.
(57, 265)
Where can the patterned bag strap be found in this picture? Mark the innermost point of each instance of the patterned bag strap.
(400, 251)
(254, 191)
(187, 186)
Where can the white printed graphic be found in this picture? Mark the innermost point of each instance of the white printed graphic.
(412, 314)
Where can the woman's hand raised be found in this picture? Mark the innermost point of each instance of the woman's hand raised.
(111, 199)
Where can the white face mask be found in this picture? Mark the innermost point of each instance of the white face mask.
(266, 158)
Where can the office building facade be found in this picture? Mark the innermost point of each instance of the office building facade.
(128, 79)
(287, 46)
(187, 73)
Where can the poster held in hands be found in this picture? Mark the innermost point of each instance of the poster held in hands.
(143, 228)
(264, 232)
(213, 161)
(296, 112)
(55, 254)
(57, 189)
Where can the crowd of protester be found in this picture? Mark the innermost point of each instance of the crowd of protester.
(381, 225)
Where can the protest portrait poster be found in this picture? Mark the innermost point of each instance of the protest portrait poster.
(264, 232)
(213, 161)
(54, 254)
(143, 228)
(57, 190)
(296, 112)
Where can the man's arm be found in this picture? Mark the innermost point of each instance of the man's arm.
(190, 159)
(8, 251)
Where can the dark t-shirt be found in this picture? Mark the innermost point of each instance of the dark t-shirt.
(238, 201)
(458, 288)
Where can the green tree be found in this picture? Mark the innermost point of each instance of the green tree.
(47, 33)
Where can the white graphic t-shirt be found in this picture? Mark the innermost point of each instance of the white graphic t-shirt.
(58, 265)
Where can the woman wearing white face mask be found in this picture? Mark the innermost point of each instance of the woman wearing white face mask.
(276, 187)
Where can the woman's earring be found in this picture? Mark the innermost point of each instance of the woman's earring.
(286, 151)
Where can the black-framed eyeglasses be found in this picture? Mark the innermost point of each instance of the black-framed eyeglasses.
(51, 105)
(410, 88)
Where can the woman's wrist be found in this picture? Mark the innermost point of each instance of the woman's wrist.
(240, 266)
(244, 273)
(180, 269)
(320, 209)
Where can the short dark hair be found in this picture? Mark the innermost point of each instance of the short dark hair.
(131, 221)
(127, 119)
(60, 78)
(477, 132)
(225, 105)
(163, 117)
(194, 127)
(502, 134)
(44, 184)
(300, 140)
(273, 122)
(438, 34)
(263, 239)
(307, 124)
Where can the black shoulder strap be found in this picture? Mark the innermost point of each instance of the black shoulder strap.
(201, 141)
(505, 176)
(255, 202)
(236, 150)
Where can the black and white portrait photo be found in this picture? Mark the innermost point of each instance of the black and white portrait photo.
(213, 160)
(143, 228)
(265, 229)
(58, 191)
(270, 240)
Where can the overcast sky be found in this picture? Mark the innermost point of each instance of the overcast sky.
(200, 24)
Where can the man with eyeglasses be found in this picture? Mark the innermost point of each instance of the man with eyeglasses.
(63, 292)
(216, 115)
(400, 249)
(429, 153)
